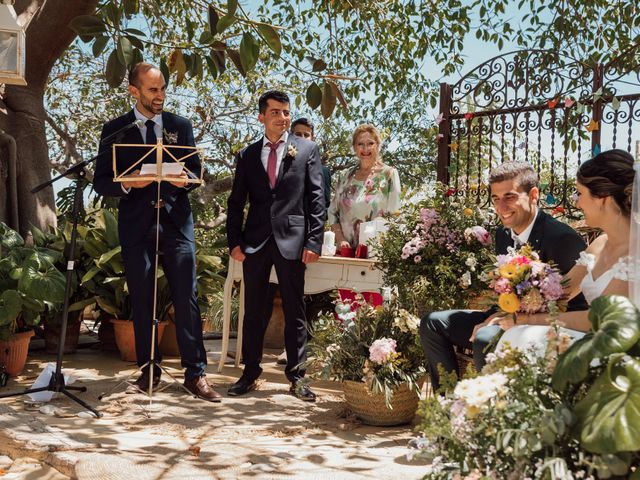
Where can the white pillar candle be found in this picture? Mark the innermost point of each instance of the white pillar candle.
(329, 238)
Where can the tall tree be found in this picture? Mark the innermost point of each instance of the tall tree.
(22, 112)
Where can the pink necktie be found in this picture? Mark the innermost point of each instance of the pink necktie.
(272, 161)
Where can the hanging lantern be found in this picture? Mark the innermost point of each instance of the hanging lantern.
(12, 46)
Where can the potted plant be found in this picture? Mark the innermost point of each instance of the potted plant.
(106, 282)
(59, 240)
(209, 282)
(31, 285)
(570, 413)
(376, 354)
(434, 251)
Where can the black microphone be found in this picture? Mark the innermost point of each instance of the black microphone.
(121, 131)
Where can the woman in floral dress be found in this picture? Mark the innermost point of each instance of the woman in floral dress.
(364, 192)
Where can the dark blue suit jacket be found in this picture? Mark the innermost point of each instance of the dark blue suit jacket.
(136, 211)
(293, 212)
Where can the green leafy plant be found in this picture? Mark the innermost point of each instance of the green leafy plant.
(29, 281)
(379, 346)
(572, 413)
(434, 252)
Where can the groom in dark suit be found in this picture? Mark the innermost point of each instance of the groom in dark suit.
(514, 194)
(137, 225)
(281, 177)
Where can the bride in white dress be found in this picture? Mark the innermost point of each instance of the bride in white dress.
(604, 194)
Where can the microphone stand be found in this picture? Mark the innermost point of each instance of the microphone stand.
(57, 382)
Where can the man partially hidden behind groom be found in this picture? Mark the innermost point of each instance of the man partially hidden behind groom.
(281, 177)
(137, 227)
(515, 194)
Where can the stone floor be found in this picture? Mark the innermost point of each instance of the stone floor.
(267, 434)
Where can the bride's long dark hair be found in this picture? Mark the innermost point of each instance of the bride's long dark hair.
(610, 174)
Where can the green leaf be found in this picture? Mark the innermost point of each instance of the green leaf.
(615, 329)
(234, 55)
(328, 100)
(218, 60)
(213, 19)
(90, 274)
(249, 51)
(164, 68)
(9, 238)
(110, 225)
(82, 304)
(106, 257)
(41, 280)
(272, 38)
(87, 25)
(225, 22)
(115, 70)
(232, 7)
(314, 95)
(131, 7)
(609, 415)
(10, 306)
(99, 45)
(125, 51)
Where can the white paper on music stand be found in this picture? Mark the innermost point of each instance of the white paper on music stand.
(169, 168)
(43, 380)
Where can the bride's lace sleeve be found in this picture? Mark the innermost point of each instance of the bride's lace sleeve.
(622, 269)
(586, 260)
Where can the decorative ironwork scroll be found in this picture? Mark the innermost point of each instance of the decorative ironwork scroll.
(539, 106)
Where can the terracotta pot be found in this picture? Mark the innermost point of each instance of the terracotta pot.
(125, 338)
(169, 342)
(274, 335)
(52, 335)
(107, 337)
(13, 352)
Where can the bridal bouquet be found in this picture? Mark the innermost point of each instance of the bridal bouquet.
(434, 251)
(523, 283)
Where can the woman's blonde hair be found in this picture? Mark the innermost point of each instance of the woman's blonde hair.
(366, 128)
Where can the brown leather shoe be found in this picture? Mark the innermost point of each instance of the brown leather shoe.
(142, 383)
(201, 389)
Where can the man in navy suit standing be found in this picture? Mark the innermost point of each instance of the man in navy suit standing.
(281, 177)
(137, 225)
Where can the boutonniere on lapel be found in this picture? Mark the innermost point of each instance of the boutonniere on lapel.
(170, 137)
(292, 151)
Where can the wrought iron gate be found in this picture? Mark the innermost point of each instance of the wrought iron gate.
(538, 106)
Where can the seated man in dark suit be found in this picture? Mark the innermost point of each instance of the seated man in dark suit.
(515, 194)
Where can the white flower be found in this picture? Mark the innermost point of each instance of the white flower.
(465, 280)
(478, 391)
(292, 151)
(381, 350)
(170, 137)
(471, 262)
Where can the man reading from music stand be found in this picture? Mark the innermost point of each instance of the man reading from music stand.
(137, 227)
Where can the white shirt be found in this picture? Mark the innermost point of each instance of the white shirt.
(264, 153)
(523, 237)
(264, 157)
(157, 119)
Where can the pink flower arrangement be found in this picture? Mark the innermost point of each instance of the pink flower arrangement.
(382, 350)
(479, 233)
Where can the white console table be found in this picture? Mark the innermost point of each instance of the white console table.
(326, 274)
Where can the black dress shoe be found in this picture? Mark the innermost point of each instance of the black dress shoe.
(142, 383)
(242, 386)
(303, 392)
